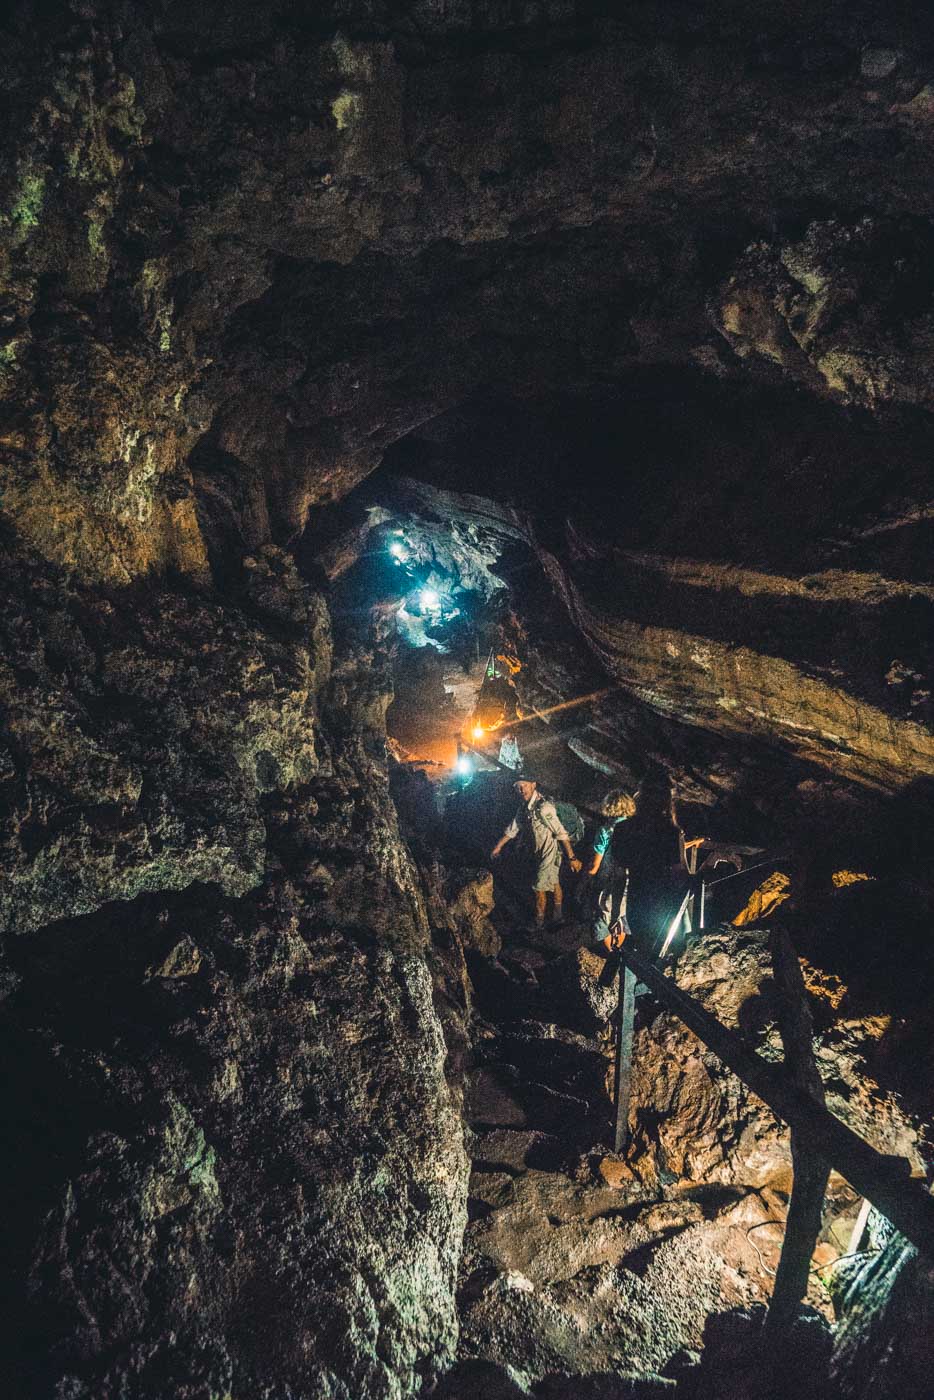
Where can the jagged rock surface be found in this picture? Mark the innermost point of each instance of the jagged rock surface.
(702, 1123)
(238, 1163)
(243, 249)
(882, 1347)
(579, 1261)
(142, 734)
(830, 661)
(191, 199)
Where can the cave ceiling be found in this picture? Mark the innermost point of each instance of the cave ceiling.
(666, 271)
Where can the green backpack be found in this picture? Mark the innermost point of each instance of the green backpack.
(571, 819)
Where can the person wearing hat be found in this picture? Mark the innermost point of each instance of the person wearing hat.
(543, 835)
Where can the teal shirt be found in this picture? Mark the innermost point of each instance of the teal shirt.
(601, 842)
(601, 847)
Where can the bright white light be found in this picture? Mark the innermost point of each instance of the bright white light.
(478, 731)
(429, 599)
(397, 548)
(673, 927)
(464, 765)
(669, 937)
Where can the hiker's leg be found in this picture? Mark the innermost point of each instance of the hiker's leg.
(558, 902)
(540, 897)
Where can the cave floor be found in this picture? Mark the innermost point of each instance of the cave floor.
(577, 1260)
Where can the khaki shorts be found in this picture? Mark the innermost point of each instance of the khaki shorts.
(546, 875)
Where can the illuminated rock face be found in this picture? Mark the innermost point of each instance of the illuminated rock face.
(691, 1096)
(803, 660)
(203, 216)
(579, 1261)
(768, 687)
(243, 251)
(818, 308)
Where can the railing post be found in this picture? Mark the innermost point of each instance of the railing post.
(811, 1171)
(623, 1077)
(885, 1180)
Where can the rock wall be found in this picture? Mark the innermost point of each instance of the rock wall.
(698, 1122)
(204, 212)
(243, 249)
(831, 665)
(883, 1338)
(710, 677)
(236, 1160)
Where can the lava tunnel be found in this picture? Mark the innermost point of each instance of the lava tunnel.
(466, 747)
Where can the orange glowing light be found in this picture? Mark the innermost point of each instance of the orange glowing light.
(478, 731)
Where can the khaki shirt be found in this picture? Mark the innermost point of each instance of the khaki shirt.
(542, 825)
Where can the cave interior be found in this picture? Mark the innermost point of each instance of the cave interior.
(380, 379)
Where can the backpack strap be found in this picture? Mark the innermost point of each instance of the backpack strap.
(535, 814)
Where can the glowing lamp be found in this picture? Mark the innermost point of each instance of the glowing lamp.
(478, 731)
(464, 766)
(429, 599)
(397, 548)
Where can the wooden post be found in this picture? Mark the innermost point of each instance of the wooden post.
(623, 1086)
(885, 1180)
(811, 1171)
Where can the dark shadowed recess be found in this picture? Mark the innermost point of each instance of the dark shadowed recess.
(668, 461)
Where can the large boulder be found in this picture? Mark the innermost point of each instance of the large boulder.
(471, 902)
(577, 991)
(696, 1121)
(141, 746)
(239, 1165)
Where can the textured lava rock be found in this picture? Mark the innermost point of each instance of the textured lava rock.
(202, 215)
(739, 1361)
(739, 689)
(578, 1262)
(697, 1121)
(485, 1380)
(787, 653)
(243, 249)
(844, 308)
(140, 737)
(577, 1276)
(470, 900)
(576, 992)
(239, 1163)
(249, 1177)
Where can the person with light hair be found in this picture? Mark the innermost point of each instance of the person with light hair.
(616, 807)
(509, 755)
(647, 879)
